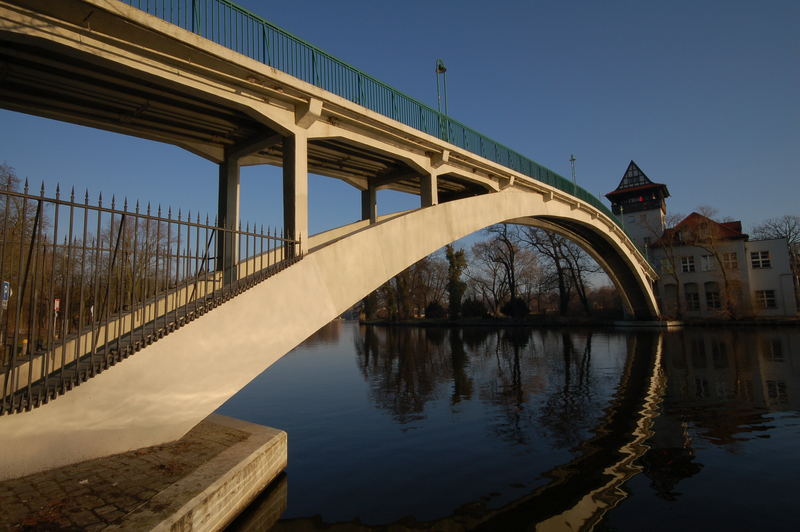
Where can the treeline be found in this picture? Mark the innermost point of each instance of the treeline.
(513, 271)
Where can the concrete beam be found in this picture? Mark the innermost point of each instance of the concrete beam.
(295, 188)
(393, 177)
(253, 145)
(438, 159)
(308, 113)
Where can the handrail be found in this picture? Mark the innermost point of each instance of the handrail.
(234, 27)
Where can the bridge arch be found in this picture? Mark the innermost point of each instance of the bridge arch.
(164, 390)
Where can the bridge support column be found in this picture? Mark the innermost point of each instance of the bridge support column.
(429, 190)
(295, 189)
(228, 218)
(369, 204)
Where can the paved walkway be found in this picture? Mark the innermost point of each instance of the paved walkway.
(97, 493)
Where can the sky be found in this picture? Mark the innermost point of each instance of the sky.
(702, 94)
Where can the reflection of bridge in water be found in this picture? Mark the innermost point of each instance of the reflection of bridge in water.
(543, 387)
(258, 96)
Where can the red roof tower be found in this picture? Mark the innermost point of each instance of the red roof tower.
(637, 193)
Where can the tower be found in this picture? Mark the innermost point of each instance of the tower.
(641, 205)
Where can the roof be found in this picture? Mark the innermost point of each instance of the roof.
(634, 180)
(698, 229)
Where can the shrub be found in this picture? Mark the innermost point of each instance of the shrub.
(473, 308)
(515, 308)
(435, 311)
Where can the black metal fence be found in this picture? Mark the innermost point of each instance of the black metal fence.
(86, 285)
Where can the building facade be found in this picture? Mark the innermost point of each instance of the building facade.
(707, 269)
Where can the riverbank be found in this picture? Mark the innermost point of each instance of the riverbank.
(583, 321)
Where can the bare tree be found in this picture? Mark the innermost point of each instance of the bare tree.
(486, 277)
(709, 237)
(580, 265)
(552, 247)
(670, 261)
(503, 250)
(787, 226)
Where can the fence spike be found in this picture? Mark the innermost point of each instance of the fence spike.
(58, 189)
(86, 197)
(137, 206)
(41, 190)
(72, 195)
(113, 201)
(125, 204)
(99, 198)
(148, 208)
(179, 214)
(25, 189)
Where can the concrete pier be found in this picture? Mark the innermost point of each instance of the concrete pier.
(200, 482)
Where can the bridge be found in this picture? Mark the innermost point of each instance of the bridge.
(228, 86)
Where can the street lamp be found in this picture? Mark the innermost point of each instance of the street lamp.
(441, 69)
(574, 182)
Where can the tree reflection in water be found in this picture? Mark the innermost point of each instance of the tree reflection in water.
(406, 368)
(539, 386)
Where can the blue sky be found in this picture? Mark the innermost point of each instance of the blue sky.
(703, 95)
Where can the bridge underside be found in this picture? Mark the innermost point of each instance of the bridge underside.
(49, 80)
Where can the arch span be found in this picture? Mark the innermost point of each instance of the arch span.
(164, 390)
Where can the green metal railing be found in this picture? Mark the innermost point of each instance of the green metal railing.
(240, 30)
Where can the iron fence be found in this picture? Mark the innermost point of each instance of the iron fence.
(234, 27)
(86, 285)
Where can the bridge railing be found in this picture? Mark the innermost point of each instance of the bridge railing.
(240, 30)
(86, 285)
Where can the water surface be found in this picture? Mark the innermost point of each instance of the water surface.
(501, 429)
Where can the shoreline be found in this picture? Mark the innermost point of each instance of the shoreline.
(582, 321)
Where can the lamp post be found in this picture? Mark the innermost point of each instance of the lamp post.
(441, 69)
(574, 182)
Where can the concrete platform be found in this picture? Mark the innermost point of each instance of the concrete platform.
(200, 482)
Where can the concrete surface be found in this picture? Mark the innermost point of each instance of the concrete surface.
(200, 482)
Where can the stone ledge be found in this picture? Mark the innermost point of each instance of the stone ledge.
(213, 495)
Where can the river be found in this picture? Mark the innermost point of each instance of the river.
(522, 428)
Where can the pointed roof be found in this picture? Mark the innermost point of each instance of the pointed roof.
(697, 228)
(634, 180)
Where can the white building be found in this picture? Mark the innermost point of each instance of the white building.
(708, 269)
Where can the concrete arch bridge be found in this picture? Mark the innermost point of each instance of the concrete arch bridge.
(107, 64)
